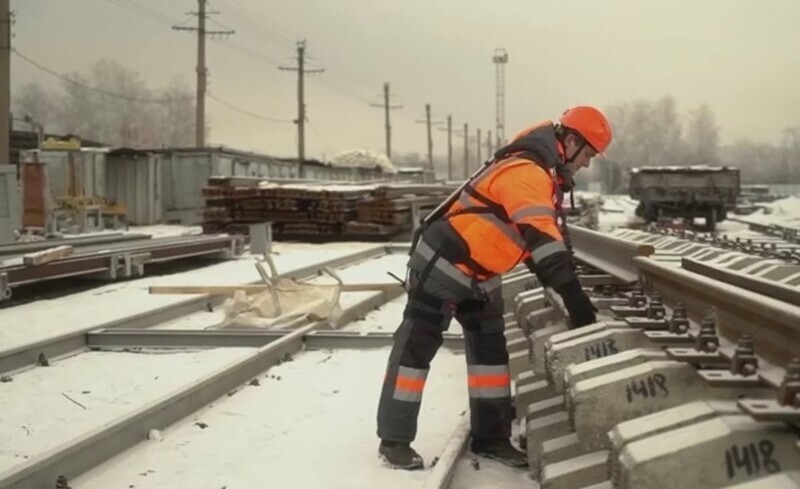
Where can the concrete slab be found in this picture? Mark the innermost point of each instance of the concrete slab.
(598, 345)
(599, 403)
(542, 318)
(545, 407)
(560, 449)
(601, 366)
(786, 480)
(539, 430)
(520, 344)
(518, 283)
(602, 485)
(533, 302)
(519, 362)
(539, 341)
(573, 334)
(532, 393)
(526, 378)
(663, 421)
(714, 453)
(576, 472)
(513, 333)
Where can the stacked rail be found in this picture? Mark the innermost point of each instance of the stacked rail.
(116, 260)
(316, 211)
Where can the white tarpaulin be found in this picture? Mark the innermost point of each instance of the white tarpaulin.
(285, 304)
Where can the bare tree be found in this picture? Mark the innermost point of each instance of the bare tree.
(34, 101)
(646, 133)
(790, 147)
(112, 104)
(758, 162)
(176, 118)
(702, 137)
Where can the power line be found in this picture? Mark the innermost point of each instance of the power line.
(319, 136)
(262, 26)
(247, 112)
(143, 11)
(95, 89)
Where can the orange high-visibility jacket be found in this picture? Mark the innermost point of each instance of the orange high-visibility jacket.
(508, 214)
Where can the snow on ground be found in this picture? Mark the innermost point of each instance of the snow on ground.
(311, 423)
(617, 211)
(42, 319)
(489, 475)
(155, 231)
(385, 319)
(38, 414)
(164, 230)
(784, 212)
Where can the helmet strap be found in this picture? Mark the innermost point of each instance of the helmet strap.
(570, 159)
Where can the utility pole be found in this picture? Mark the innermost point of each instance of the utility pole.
(467, 140)
(449, 131)
(387, 108)
(301, 104)
(466, 150)
(450, 147)
(428, 122)
(478, 146)
(5, 82)
(500, 59)
(489, 154)
(202, 72)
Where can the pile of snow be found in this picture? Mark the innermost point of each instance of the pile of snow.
(364, 158)
(784, 211)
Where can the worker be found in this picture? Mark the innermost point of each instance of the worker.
(504, 216)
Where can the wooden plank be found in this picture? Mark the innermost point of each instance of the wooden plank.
(258, 288)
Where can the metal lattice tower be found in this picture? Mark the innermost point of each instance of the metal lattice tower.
(500, 59)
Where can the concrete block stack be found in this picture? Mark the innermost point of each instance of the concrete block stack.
(631, 402)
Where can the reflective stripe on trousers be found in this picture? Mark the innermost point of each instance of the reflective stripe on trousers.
(488, 381)
(409, 384)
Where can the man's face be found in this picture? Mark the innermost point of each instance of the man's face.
(583, 158)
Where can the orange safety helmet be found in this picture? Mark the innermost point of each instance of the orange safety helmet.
(589, 123)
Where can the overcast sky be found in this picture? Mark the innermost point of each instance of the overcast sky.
(742, 57)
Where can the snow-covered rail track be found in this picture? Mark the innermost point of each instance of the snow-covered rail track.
(34, 353)
(111, 418)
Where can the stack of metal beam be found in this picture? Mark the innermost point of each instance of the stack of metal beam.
(316, 211)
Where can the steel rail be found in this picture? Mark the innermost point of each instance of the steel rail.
(93, 448)
(112, 260)
(612, 255)
(115, 339)
(769, 288)
(773, 324)
(8, 251)
(75, 341)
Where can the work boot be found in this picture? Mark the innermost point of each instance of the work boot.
(500, 450)
(400, 455)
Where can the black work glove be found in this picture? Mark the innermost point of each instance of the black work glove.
(580, 307)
